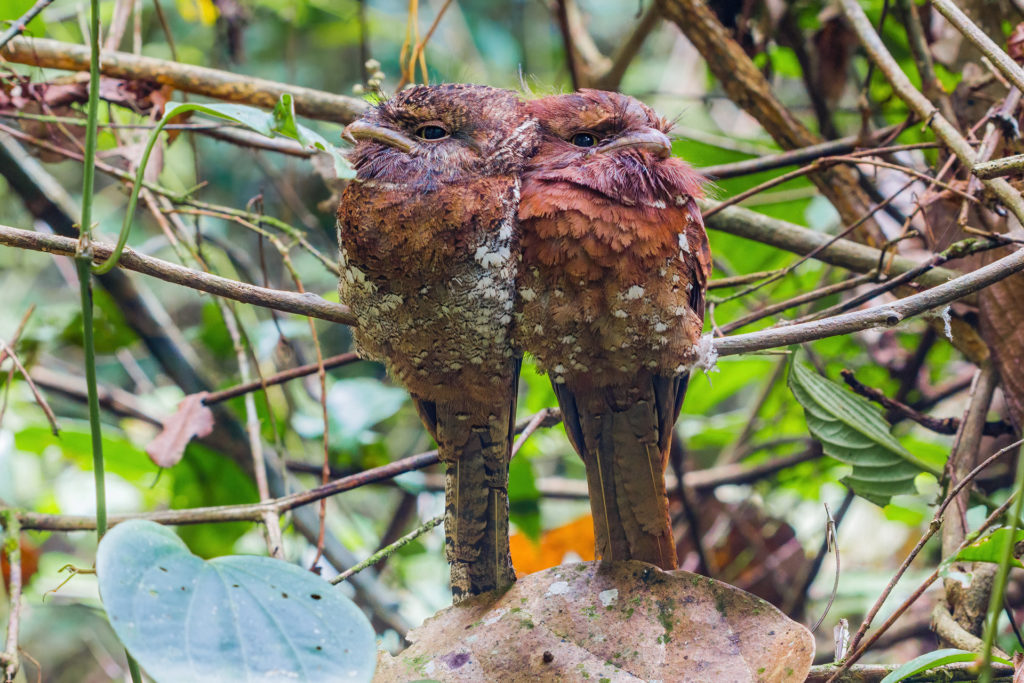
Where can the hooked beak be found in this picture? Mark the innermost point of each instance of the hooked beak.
(650, 139)
(363, 130)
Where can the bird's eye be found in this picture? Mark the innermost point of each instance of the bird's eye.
(584, 139)
(431, 132)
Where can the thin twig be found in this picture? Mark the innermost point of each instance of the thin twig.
(21, 23)
(17, 332)
(7, 351)
(289, 302)
(860, 258)
(279, 378)
(809, 297)
(902, 86)
(417, 50)
(535, 422)
(389, 550)
(946, 425)
(1002, 575)
(986, 45)
(933, 527)
(885, 315)
(831, 543)
(800, 155)
(570, 50)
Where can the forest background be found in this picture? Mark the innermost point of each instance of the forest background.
(745, 80)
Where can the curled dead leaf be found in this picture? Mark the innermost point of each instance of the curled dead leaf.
(192, 419)
(619, 621)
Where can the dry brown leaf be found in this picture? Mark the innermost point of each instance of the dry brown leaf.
(625, 621)
(192, 419)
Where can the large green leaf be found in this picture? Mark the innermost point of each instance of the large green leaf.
(233, 618)
(852, 431)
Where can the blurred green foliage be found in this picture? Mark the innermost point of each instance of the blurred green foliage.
(322, 44)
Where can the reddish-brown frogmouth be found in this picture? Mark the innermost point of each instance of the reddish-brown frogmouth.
(611, 301)
(429, 250)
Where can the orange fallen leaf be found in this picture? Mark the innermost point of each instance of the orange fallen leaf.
(572, 541)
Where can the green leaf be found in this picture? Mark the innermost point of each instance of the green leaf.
(931, 660)
(185, 619)
(280, 122)
(852, 431)
(990, 548)
(254, 119)
(524, 498)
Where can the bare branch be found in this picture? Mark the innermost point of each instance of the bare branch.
(289, 302)
(19, 24)
(901, 84)
(11, 547)
(946, 425)
(986, 45)
(885, 315)
(221, 85)
(799, 240)
(999, 167)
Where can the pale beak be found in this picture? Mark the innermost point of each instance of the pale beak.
(363, 130)
(650, 139)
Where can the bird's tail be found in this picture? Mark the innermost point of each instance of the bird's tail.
(623, 435)
(475, 444)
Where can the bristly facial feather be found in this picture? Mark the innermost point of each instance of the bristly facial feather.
(477, 137)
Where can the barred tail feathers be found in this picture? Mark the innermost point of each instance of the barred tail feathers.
(474, 443)
(622, 434)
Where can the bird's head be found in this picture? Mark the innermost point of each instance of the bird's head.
(612, 144)
(428, 136)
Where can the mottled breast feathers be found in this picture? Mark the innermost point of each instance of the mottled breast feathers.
(615, 257)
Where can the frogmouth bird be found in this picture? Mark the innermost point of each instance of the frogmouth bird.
(429, 251)
(611, 301)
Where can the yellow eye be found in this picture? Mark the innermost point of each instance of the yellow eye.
(431, 132)
(584, 139)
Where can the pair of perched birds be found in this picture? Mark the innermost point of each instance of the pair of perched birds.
(480, 226)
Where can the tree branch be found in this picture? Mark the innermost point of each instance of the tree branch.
(799, 240)
(901, 411)
(221, 85)
(986, 45)
(885, 315)
(747, 87)
(945, 130)
(290, 302)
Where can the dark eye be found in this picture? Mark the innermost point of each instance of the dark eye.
(431, 132)
(584, 139)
